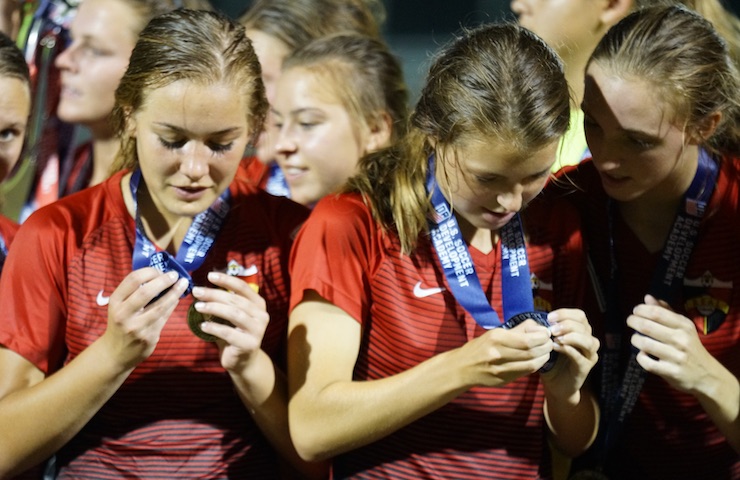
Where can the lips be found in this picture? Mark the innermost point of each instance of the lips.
(293, 173)
(611, 180)
(190, 193)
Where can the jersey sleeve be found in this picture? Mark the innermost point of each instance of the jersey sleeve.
(332, 255)
(32, 291)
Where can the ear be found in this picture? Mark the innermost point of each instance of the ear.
(615, 10)
(705, 129)
(380, 131)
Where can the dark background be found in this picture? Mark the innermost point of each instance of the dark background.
(414, 29)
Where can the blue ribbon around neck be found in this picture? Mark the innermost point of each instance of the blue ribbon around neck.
(459, 270)
(619, 400)
(191, 254)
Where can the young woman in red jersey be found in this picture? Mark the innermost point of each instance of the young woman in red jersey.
(396, 367)
(15, 107)
(103, 33)
(278, 28)
(337, 99)
(659, 204)
(102, 288)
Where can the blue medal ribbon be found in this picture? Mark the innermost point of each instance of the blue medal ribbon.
(3, 252)
(454, 256)
(619, 399)
(191, 254)
(276, 183)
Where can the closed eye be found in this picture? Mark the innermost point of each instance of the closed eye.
(175, 145)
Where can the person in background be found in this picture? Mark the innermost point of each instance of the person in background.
(574, 27)
(15, 107)
(103, 33)
(337, 99)
(146, 316)
(396, 367)
(279, 27)
(659, 205)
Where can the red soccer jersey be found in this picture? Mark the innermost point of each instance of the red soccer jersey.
(7, 233)
(252, 171)
(409, 315)
(177, 415)
(668, 435)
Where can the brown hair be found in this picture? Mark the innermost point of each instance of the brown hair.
(363, 74)
(298, 22)
(498, 81)
(12, 63)
(197, 46)
(678, 52)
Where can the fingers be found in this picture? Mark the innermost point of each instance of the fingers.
(141, 286)
(236, 302)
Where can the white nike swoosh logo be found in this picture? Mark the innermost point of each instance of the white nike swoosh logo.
(252, 270)
(425, 292)
(102, 301)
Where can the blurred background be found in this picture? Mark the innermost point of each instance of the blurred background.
(414, 29)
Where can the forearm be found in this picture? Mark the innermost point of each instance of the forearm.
(348, 414)
(37, 421)
(263, 390)
(719, 395)
(573, 422)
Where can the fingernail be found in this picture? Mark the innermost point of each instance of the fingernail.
(172, 275)
(213, 276)
(198, 291)
(198, 306)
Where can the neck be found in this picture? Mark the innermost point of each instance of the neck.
(651, 215)
(104, 153)
(481, 239)
(164, 231)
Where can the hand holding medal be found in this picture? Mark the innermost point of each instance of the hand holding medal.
(575, 349)
(233, 312)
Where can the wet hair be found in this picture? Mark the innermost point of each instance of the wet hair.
(298, 22)
(12, 62)
(498, 82)
(197, 46)
(680, 54)
(723, 20)
(361, 73)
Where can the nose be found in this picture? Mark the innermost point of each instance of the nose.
(195, 163)
(512, 199)
(66, 59)
(285, 143)
(605, 157)
(517, 6)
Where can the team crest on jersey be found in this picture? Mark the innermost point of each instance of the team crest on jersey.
(542, 294)
(707, 301)
(248, 274)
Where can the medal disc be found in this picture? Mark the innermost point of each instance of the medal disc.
(195, 318)
(541, 318)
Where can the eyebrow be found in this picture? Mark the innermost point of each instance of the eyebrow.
(182, 130)
(629, 131)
